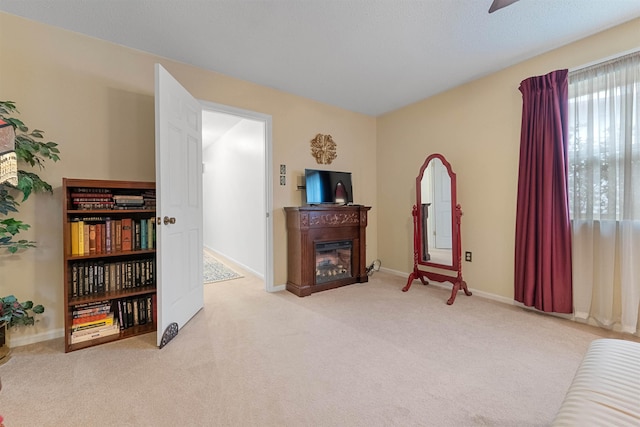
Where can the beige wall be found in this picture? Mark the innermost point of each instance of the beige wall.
(477, 128)
(96, 100)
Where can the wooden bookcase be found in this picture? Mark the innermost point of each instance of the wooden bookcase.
(108, 274)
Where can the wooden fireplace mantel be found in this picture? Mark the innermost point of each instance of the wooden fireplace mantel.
(310, 225)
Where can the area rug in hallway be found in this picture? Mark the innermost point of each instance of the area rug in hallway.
(215, 271)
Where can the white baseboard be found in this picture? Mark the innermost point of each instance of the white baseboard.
(279, 288)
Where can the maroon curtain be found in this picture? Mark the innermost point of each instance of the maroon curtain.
(543, 232)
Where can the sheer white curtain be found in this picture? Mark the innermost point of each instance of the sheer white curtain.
(604, 191)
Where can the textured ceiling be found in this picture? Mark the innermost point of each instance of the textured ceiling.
(367, 56)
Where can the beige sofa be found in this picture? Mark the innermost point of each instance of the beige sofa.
(606, 388)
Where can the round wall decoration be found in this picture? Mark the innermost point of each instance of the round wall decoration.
(323, 149)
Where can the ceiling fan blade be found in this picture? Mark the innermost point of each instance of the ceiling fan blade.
(499, 4)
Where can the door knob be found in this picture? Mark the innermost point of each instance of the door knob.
(168, 220)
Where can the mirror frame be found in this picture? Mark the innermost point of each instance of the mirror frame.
(456, 255)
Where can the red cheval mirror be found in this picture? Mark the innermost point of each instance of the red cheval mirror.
(436, 227)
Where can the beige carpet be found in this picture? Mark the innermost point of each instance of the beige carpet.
(362, 355)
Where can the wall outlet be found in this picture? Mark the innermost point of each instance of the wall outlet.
(283, 169)
(467, 256)
(283, 180)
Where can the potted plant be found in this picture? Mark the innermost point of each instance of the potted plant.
(19, 147)
(15, 313)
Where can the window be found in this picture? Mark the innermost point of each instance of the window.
(604, 151)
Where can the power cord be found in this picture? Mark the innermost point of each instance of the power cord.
(375, 266)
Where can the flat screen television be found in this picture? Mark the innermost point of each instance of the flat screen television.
(324, 186)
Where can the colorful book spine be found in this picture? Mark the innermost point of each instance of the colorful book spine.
(143, 234)
(150, 233)
(80, 237)
(93, 324)
(127, 234)
(75, 239)
(107, 236)
(85, 227)
(92, 239)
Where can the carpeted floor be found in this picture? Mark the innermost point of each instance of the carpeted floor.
(365, 355)
(215, 271)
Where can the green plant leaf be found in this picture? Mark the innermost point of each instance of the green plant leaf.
(13, 226)
(31, 151)
(7, 202)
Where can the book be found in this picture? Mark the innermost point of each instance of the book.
(93, 334)
(99, 328)
(91, 311)
(103, 238)
(143, 234)
(80, 200)
(80, 279)
(121, 314)
(136, 235)
(100, 277)
(92, 239)
(87, 206)
(85, 228)
(89, 318)
(127, 234)
(98, 238)
(150, 233)
(91, 305)
(136, 311)
(117, 235)
(74, 280)
(93, 324)
(142, 311)
(129, 312)
(78, 195)
(80, 237)
(107, 236)
(75, 248)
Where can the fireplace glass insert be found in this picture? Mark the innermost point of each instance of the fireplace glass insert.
(333, 260)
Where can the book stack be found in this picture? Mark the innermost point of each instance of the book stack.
(128, 201)
(136, 311)
(93, 320)
(91, 198)
(149, 198)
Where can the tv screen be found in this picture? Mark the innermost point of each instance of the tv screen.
(328, 187)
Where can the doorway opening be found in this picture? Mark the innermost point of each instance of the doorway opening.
(237, 188)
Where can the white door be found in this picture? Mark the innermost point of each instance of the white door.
(442, 202)
(179, 204)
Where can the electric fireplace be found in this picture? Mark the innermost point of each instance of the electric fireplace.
(326, 247)
(333, 261)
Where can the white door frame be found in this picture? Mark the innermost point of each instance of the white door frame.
(268, 181)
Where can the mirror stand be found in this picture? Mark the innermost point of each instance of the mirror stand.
(458, 282)
(436, 226)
